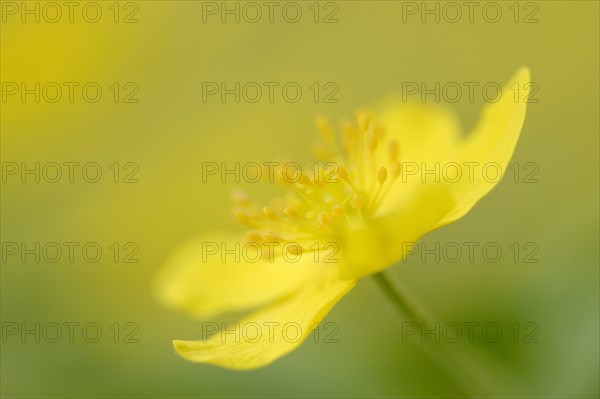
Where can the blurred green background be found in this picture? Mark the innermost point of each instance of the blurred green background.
(170, 131)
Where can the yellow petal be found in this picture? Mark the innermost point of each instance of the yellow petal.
(426, 134)
(268, 334)
(490, 145)
(198, 281)
(373, 245)
(423, 132)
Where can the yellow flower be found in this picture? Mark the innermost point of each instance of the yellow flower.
(368, 209)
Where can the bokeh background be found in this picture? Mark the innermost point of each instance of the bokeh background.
(170, 131)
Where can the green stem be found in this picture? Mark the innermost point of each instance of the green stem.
(459, 360)
(403, 302)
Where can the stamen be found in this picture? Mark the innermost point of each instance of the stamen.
(395, 169)
(382, 175)
(291, 212)
(272, 236)
(380, 133)
(269, 214)
(327, 134)
(371, 138)
(314, 210)
(343, 174)
(318, 181)
(322, 153)
(294, 249)
(323, 218)
(349, 139)
(253, 236)
(393, 150)
(394, 172)
(356, 202)
(243, 218)
(325, 129)
(338, 210)
(302, 179)
(363, 120)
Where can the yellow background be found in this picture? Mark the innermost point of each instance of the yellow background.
(369, 53)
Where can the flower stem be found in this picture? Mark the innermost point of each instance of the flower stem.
(462, 362)
(405, 304)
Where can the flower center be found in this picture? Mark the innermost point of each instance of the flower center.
(357, 172)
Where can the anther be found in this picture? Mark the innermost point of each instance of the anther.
(393, 150)
(322, 152)
(294, 249)
(395, 169)
(323, 218)
(382, 174)
(253, 236)
(243, 218)
(325, 129)
(372, 139)
(349, 137)
(356, 202)
(291, 212)
(363, 120)
(338, 210)
(318, 182)
(303, 179)
(272, 236)
(343, 174)
(269, 214)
